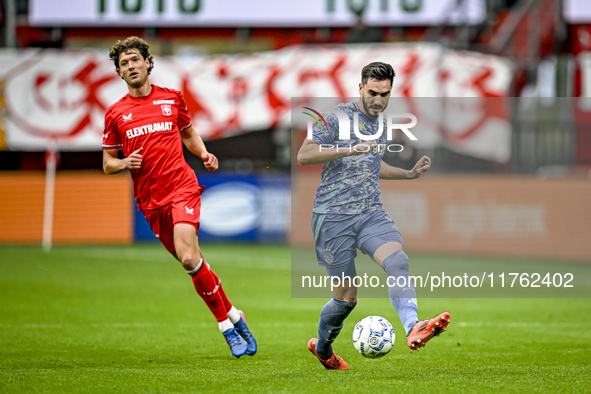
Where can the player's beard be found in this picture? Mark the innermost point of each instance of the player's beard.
(368, 106)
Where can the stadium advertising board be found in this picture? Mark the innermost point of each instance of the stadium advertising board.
(252, 13)
(64, 95)
(237, 208)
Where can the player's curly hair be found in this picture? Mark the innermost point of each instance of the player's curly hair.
(132, 42)
(379, 71)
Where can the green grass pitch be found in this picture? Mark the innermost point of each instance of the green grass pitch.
(127, 319)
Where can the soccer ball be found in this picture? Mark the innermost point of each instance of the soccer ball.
(373, 336)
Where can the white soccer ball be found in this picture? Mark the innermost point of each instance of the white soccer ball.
(373, 336)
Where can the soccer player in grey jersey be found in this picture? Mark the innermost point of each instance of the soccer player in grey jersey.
(348, 215)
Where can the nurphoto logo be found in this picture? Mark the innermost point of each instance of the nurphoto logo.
(345, 129)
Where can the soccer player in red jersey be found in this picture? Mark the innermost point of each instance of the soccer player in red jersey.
(148, 125)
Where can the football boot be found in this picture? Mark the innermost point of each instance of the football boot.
(237, 345)
(244, 332)
(333, 362)
(424, 330)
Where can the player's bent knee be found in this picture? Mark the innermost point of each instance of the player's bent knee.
(190, 261)
(397, 261)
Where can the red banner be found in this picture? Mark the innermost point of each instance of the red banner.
(63, 95)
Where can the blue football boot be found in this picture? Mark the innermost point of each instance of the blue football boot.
(242, 329)
(237, 345)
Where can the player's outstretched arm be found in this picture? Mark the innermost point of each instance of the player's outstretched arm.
(195, 144)
(389, 172)
(311, 153)
(112, 165)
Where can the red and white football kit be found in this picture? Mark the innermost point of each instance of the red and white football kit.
(165, 187)
(167, 191)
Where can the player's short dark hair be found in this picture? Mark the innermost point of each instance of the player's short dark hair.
(379, 71)
(132, 42)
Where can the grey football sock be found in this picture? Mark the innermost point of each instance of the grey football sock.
(332, 317)
(403, 298)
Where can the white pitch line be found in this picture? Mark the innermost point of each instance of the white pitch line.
(138, 325)
(274, 325)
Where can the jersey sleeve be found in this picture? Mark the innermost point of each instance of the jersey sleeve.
(111, 137)
(323, 136)
(184, 120)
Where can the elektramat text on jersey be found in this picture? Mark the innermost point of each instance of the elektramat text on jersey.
(149, 128)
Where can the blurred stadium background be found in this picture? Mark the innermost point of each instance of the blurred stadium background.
(518, 188)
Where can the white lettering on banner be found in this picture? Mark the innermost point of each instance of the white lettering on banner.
(147, 129)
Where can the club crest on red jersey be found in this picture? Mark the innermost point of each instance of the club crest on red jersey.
(166, 110)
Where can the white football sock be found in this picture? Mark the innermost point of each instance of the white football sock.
(225, 325)
(234, 315)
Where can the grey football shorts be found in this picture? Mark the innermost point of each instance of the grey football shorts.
(338, 237)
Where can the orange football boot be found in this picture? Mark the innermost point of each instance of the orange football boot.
(333, 362)
(424, 330)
